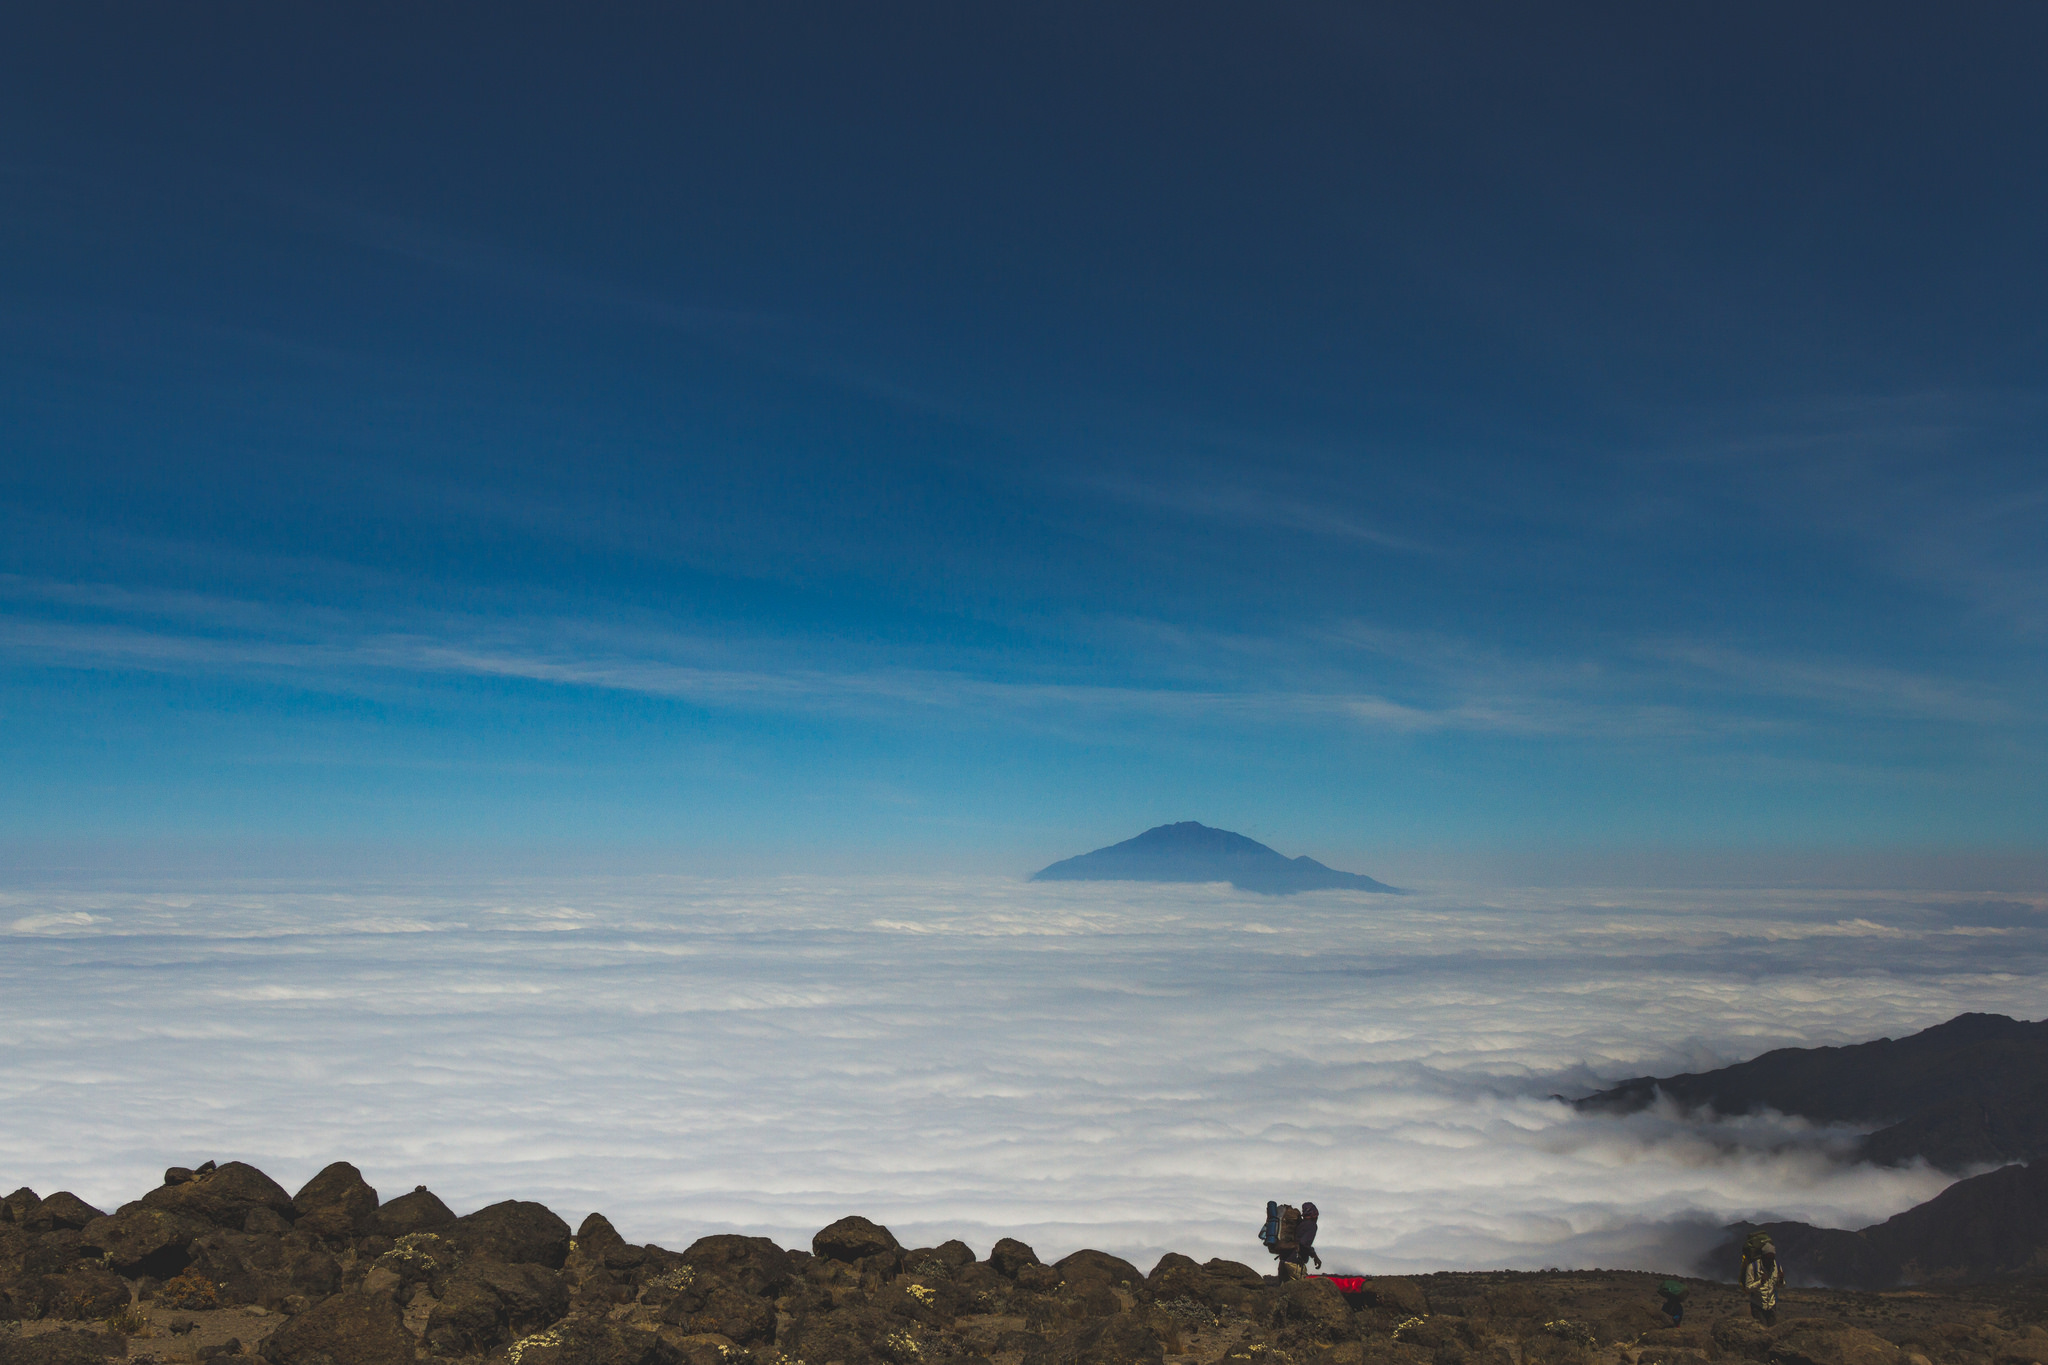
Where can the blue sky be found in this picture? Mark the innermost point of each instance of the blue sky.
(943, 430)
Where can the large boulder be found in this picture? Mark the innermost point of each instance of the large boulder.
(1213, 1286)
(420, 1211)
(1086, 1270)
(265, 1269)
(595, 1234)
(222, 1196)
(516, 1231)
(346, 1329)
(16, 1207)
(954, 1255)
(708, 1306)
(1010, 1256)
(752, 1264)
(338, 1202)
(417, 1258)
(142, 1241)
(1313, 1313)
(853, 1238)
(598, 1244)
(61, 1210)
(83, 1293)
(488, 1303)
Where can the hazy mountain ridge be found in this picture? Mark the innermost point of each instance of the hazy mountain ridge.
(1969, 1092)
(1965, 1093)
(1993, 1225)
(1193, 852)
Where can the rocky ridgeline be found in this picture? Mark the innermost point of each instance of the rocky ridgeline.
(221, 1263)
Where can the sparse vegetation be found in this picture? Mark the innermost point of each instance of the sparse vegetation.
(189, 1291)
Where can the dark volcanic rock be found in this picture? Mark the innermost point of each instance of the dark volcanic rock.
(142, 1241)
(83, 1293)
(853, 1238)
(347, 1329)
(516, 1231)
(1395, 1295)
(754, 1265)
(852, 1334)
(264, 1268)
(1112, 1341)
(1010, 1255)
(1178, 1277)
(1089, 1269)
(420, 1211)
(1192, 852)
(488, 1303)
(1313, 1313)
(61, 1210)
(593, 1341)
(222, 1197)
(708, 1306)
(16, 1207)
(63, 1348)
(595, 1236)
(338, 1202)
(1968, 1092)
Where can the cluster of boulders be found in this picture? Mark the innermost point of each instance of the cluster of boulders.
(334, 1276)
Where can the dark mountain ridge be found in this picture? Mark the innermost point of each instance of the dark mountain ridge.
(1970, 1092)
(1193, 852)
(1993, 1225)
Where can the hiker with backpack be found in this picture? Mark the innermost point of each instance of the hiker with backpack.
(1305, 1239)
(1761, 1276)
(1290, 1234)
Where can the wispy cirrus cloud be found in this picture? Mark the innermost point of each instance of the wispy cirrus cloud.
(1215, 496)
(1353, 674)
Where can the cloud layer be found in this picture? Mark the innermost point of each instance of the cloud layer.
(1136, 1068)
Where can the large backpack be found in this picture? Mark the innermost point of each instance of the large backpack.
(1753, 1248)
(1290, 1221)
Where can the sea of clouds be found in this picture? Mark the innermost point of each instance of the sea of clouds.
(1132, 1067)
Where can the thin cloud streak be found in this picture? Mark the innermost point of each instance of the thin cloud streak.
(1453, 686)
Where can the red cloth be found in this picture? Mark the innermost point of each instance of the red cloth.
(1346, 1284)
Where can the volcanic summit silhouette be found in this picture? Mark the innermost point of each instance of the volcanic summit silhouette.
(1193, 852)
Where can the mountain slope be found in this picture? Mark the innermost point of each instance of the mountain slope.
(1192, 852)
(1992, 1225)
(1969, 1092)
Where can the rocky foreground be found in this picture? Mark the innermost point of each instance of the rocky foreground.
(221, 1263)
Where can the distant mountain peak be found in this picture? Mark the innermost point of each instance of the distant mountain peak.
(1189, 851)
